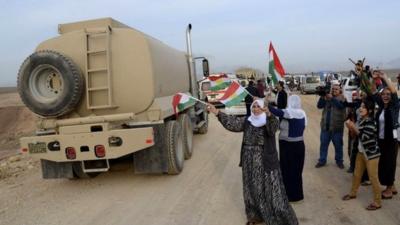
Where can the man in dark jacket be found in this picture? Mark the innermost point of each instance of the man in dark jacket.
(249, 99)
(281, 96)
(332, 125)
(260, 88)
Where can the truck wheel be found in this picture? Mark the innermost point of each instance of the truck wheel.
(187, 132)
(204, 128)
(49, 83)
(174, 146)
(78, 171)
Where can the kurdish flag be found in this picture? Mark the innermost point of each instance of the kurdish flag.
(181, 101)
(275, 67)
(233, 95)
(219, 82)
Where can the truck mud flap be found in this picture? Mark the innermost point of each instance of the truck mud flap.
(53, 170)
(152, 160)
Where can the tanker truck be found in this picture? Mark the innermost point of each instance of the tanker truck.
(102, 91)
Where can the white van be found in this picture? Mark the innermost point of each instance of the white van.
(309, 84)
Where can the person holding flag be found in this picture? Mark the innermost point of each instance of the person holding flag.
(277, 73)
(263, 189)
(249, 98)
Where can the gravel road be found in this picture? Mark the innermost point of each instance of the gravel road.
(207, 192)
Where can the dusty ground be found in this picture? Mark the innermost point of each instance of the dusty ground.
(15, 121)
(209, 191)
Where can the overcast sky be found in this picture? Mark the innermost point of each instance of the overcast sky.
(308, 35)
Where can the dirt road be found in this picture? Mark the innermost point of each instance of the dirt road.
(208, 192)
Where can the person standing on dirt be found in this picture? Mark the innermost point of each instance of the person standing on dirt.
(263, 189)
(249, 98)
(291, 146)
(368, 153)
(332, 125)
(398, 82)
(387, 123)
(353, 115)
(281, 96)
(260, 88)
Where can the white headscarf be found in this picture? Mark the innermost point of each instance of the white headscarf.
(259, 120)
(294, 111)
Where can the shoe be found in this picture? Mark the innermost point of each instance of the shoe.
(373, 206)
(394, 190)
(340, 165)
(319, 165)
(348, 197)
(254, 221)
(366, 183)
(386, 195)
(350, 170)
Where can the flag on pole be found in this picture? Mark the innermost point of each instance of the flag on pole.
(275, 67)
(219, 82)
(233, 95)
(181, 101)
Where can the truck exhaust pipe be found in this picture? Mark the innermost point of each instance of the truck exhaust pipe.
(192, 65)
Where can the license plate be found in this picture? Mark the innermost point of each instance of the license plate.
(39, 147)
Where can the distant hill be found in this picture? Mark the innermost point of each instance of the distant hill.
(8, 89)
(395, 63)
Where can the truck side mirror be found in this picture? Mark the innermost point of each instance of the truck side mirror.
(206, 70)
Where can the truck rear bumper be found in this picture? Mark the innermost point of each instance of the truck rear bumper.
(116, 143)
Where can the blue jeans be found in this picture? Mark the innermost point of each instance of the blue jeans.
(337, 140)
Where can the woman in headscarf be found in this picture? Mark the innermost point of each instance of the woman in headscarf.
(291, 146)
(263, 191)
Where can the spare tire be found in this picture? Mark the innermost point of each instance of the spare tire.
(50, 84)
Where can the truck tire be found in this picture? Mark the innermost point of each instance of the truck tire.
(174, 144)
(50, 84)
(78, 171)
(187, 134)
(204, 128)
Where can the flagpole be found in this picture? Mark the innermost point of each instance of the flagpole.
(205, 103)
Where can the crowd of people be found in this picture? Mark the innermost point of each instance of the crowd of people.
(271, 183)
(372, 119)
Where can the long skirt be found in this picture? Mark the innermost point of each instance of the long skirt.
(291, 158)
(263, 191)
(387, 161)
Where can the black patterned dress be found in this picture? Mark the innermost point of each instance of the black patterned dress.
(263, 190)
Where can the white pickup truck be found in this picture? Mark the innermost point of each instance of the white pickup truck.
(348, 87)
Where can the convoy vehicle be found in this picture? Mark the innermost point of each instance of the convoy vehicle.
(213, 97)
(349, 86)
(309, 84)
(103, 90)
(209, 95)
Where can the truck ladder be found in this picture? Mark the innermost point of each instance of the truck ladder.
(98, 70)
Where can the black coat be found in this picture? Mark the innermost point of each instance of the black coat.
(253, 91)
(282, 99)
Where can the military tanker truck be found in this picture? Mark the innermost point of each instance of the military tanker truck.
(103, 90)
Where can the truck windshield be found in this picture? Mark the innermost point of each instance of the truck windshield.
(205, 86)
(312, 80)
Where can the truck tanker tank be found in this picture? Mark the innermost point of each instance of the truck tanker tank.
(104, 90)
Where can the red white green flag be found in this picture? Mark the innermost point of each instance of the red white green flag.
(182, 101)
(233, 95)
(275, 67)
(219, 82)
